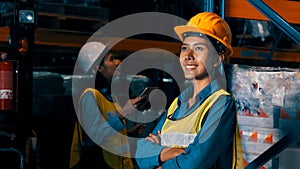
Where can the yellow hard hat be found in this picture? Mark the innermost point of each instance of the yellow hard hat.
(209, 24)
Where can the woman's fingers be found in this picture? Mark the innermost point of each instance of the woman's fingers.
(153, 138)
(150, 139)
(134, 105)
(139, 102)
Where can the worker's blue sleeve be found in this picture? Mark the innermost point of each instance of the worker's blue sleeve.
(147, 153)
(93, 122)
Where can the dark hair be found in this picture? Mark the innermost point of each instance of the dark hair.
(100, 81)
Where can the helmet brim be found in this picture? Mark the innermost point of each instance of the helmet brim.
(180, 30)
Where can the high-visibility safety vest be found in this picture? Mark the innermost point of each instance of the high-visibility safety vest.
(180, 133)
(113, 160)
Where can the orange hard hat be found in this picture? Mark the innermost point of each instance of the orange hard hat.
(211, 25)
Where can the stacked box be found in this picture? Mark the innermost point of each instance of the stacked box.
(256, 140)
(268, 105)
(80, 83)
(45, 83)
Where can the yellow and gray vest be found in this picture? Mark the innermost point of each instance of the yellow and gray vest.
(178, 134)
(113, 160)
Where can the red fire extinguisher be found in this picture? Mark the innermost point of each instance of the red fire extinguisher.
(6, 85)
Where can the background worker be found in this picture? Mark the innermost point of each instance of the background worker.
(199, 129)
(101, 122)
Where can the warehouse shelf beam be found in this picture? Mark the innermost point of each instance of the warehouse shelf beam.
(243, 9)
(77, 39)
(223, 9)
(280, 22)
(209, 5)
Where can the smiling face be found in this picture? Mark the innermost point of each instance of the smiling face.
(198, 58)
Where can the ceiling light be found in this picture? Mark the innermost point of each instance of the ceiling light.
(26, 16)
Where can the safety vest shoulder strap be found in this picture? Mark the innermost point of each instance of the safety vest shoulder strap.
(207, 102)
(175, 133)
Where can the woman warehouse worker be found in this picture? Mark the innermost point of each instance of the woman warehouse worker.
(101, 124)
(199, 130)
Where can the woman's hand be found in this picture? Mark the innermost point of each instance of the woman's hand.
(154, 138)
(169, 153)
(139, 103)
(134, 105)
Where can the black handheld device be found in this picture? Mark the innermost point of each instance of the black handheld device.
(147, 91)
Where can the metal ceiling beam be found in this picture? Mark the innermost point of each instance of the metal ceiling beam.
(276, 19)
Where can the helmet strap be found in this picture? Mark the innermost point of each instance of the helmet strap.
(220, 48)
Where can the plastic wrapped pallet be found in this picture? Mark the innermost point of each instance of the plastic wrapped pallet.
(268, 104)
(252, 150)
(256, 140)
(260, 90)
